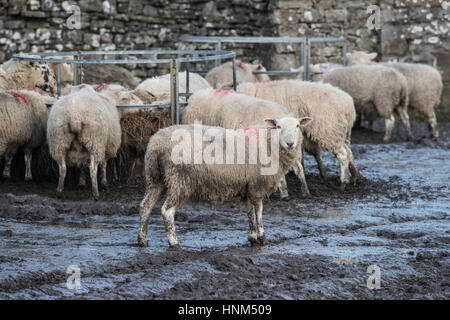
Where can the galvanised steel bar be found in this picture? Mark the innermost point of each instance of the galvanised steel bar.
(173, 80)
(208, 56)
(215, 39)
(234, 73)
(58, 80)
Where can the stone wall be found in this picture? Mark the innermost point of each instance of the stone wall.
(411, 30)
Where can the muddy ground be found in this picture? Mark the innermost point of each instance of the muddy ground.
(318, 248)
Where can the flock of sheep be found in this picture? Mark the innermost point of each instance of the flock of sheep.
(82, 128)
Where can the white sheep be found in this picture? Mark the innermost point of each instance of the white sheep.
(231, 110)
(17, 75)
(83, 129)
(158, 88)
(23, 123)
(203, 180)
(377, 91)
(333, 112)
(424, 85)
(221, 77)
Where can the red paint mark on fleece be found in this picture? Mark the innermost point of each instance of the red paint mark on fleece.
(248, 132)
(39, 90)
(221, 93)
(20, 97)
(100, 86)
(104, 98)
(241, 65)
(324, 95)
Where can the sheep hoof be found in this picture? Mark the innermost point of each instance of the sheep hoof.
(287, 198)
(306, 195)
(262, 241)
(175, 247)
(342, 187)
(60, 194)
(6, 178)
(105, 187)
(96, 197)
(28, 180)
(142, 242)
(253, 241)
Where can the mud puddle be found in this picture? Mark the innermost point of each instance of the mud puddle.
(319, 248)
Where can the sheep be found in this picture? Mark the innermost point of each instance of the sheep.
(377, 91)
(221, 77)
(424, 85)
(23, 118)
(17, 75)
(333, 112)
(231, 110)
(317, 70)
(158, 88)
(66, 69)
(203, 180)
(83, 128)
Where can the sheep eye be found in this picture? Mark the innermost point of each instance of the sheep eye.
(298, 126)
(278, 127)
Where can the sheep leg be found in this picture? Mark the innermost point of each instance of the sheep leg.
(282, 186)
(62, 177)
(168, 215)
(104, 181)
(403, 113)
(353, 168)
(252, 231)
(343, 158)
(93, 168)
(9, 155)
(432, 124)
(28, 156)
(82, 181)
(317, 153)
(389, 126)
(261, 237)
(298, 169)
(145, 209)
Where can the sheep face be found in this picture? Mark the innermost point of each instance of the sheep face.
(360, 58)
(42, 76)
(259, 68)
(289, 130)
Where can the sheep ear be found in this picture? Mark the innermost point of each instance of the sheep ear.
(305, 121)
(260, 67)
(373, 55)
(272, 123)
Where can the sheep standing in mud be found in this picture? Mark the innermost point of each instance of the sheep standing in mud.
(158, 88)
(424, 85)
(333, 112)
(23, 123)
(377, 91)
(17, 75)
(83, 129)
(198, 179)
(231, 110)
(221, 77)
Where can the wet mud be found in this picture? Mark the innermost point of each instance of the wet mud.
(397, 220)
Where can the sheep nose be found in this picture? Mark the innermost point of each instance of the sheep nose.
(290, 145)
